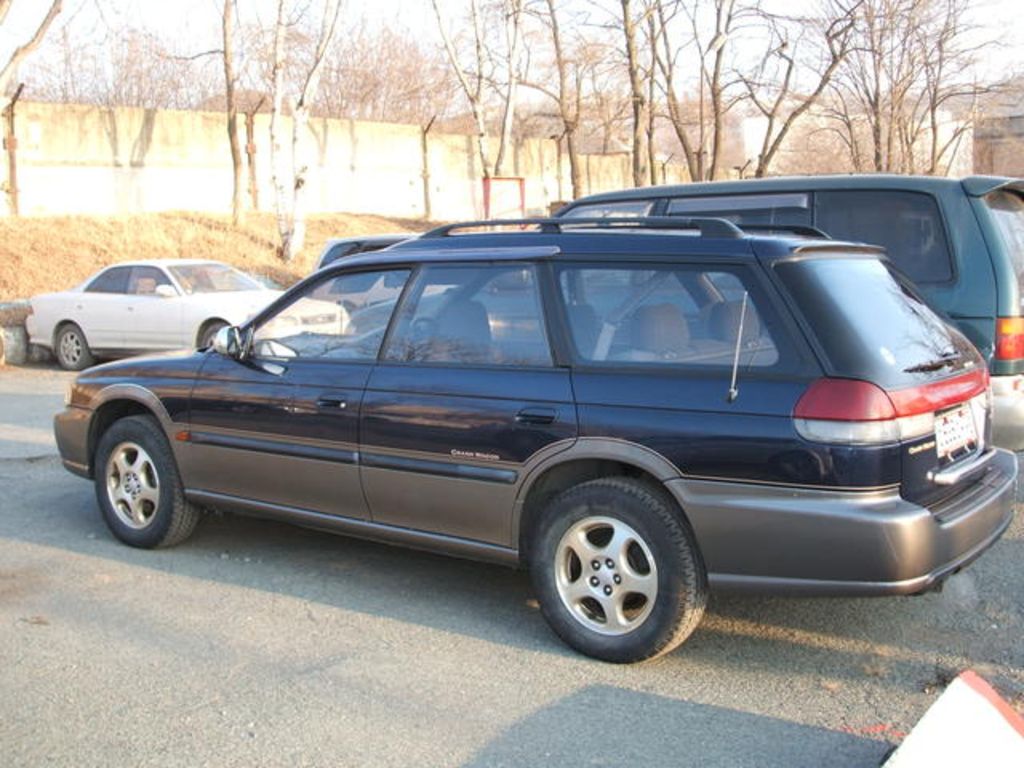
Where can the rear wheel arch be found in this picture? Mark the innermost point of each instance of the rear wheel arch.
(586, 461)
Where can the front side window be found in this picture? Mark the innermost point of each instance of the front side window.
(114, 280)
(341, 318)
(144, 281)
(472, 315)
(906, 224)
(686, 315)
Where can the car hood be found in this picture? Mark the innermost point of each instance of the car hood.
(168, 365)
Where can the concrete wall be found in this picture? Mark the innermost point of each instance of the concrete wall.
(84, 159)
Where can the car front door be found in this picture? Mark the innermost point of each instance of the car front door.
(278, 429)
(465, 395)
(153, 320)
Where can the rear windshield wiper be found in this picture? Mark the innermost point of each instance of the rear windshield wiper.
(934, 365)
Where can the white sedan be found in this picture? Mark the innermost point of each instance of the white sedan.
(144, 306)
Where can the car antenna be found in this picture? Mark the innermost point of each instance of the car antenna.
(733, 391)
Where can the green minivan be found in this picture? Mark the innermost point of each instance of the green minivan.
(960, 240)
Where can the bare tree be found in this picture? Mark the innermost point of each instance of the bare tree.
(513, 12)
(906, 94)
(773, 86)
(472, 80)
(9, 67)
(230, 82)
(641, 171)
(704, 30)
(290, 188)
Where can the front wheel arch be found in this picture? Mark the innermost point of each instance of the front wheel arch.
(207, 329)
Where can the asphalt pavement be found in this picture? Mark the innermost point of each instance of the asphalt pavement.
(259, 644)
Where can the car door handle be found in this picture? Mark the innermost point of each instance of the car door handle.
(537, 416)
(331, 404)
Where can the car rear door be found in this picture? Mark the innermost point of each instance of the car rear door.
(465, 395)
(279, 428)
(100, 310)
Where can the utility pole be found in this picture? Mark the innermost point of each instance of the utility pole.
(425, 173)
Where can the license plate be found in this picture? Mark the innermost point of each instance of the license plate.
(955, 431)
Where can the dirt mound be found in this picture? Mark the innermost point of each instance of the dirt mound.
(53, 253)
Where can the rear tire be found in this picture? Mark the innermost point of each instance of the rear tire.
(617, 570)
(71, 348)
(138, 487)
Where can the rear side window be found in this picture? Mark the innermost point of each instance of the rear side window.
(906, 224)
(870, 324)
(472, 315)
(769, 209)
(114, 280)
(671, 315)
(1007, 210)
(622, 209)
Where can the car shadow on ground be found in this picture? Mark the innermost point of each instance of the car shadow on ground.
(592, 721)
(841, 639)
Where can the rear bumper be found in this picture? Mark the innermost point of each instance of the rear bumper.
(777, 540)
(1008, 411)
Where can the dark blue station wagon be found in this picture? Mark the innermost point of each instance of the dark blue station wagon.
(638, 411)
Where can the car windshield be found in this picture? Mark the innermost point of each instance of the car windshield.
(212, 278)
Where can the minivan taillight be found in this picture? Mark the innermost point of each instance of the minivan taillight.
(854, 412)
(1009, 338)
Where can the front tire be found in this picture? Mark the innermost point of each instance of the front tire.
(617, 571)
(71, 348)
(138, 487)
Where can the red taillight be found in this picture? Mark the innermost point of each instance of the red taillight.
(1009, 338)
(859, 412)
(844, 400)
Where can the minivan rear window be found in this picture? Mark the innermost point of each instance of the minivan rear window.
(870, 323)
(1008, 214)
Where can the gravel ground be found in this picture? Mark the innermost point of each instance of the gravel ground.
(256, 643)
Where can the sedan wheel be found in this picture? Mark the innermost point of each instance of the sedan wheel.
(73, 351)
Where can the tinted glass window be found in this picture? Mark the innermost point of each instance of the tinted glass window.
(483, 315)
(342, 318)
(1007, 210)
(906, 224)
(212, 277)
(112, 281)
(782, 208)
(144, 280)
(667, 315)
(870, 324)
(623, 208)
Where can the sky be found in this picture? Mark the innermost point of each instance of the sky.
(195, 23)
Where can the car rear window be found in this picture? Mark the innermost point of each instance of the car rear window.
(871, 324)
(1007, 210)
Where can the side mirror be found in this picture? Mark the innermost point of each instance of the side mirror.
(165, 291)
(228, 342)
